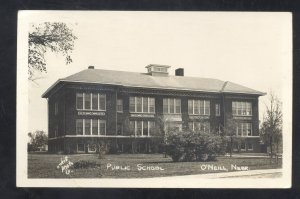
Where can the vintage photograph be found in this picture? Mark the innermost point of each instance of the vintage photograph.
(154, 99)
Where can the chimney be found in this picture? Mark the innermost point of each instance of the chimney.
(91, 67)
(179, 72)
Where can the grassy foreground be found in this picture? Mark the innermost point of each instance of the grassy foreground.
(44, 166)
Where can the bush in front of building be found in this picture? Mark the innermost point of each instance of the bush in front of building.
(194, 146)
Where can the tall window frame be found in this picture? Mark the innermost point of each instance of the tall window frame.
(199, 126)
(139, 127)
(89, 126)
(244, 129)
(119, 105)
(86, 101)
(172, 106)
(198, 107)
(136, 104)
(241, 108)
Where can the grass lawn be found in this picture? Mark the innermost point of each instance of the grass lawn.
(44, 165)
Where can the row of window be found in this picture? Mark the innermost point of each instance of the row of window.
(171, 105)
(142, 104)
(90, 127)
(147, 128)
(242, 108)
(97, 101)
(244, 129)
(243, 147)
(200, 126)
(142, 128)
(91, 101)
(199, 107)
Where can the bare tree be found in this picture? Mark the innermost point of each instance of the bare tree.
(271, 127)
(57, 37)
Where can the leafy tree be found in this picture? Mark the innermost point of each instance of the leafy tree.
(57, 37)
(271, 127)
(37, 139)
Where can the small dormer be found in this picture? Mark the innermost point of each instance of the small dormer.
(158, 70)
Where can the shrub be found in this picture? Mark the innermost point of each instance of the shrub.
(102, 151)
(194, 146)
(83, 164)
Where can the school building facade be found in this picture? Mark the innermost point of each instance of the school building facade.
(131, 112)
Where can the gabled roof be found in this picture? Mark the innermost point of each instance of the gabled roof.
(144, 80)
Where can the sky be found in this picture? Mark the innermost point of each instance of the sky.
(251, 49)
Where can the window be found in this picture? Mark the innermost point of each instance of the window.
(79, 100)
(80, 148)
(151, 105)
(200, 126)
(139, 128)
(87, 127)
(90, 127)
(242, 108)
(87, 101)
(79, 126)
(218, 110)
(151, 128)
(132, 104)
(94, 101)
(119, 105)
(171, 105)
(119, 129)
(90, 101)
(94, 127)
(92, 148)
(56, 131)
(243, 146)
(56, 108)
(142, 128)
(102, 127)
(250, 147)
(244, 129)
(102, 102)
(199, 107)
(141, 105)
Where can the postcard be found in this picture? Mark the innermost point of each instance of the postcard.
(154, 99)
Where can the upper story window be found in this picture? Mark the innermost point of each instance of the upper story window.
(56, 108)
(218, 111)
(244, 129)
(141, 104)
(91, 101)
(119, 105)
(199, 107)
(242, 108)
(172, 105)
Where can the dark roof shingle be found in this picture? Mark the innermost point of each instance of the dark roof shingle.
(133, 79)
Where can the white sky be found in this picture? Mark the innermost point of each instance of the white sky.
(251, 49)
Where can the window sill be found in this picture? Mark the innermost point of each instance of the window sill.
(90, 110)
(242, 115)
(197, 115)
(143, 112)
